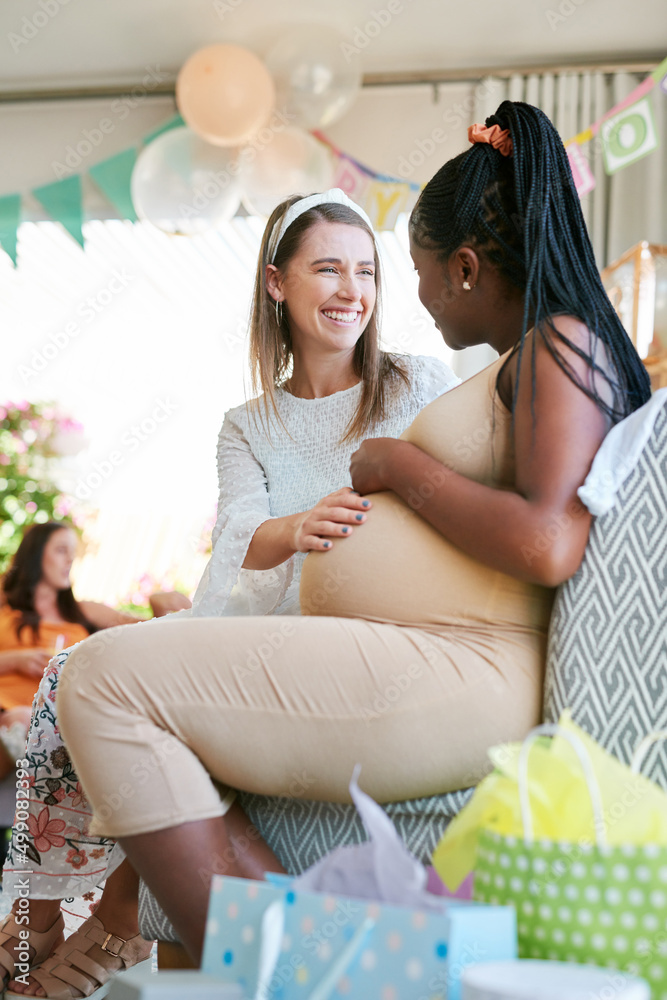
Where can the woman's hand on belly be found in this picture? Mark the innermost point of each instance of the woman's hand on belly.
(369, 464)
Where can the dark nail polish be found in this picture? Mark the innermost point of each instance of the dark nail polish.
(327, 545)
(360, 517)
(365, 503)
(345, 531)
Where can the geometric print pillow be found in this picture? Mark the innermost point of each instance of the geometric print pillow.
(607, 651)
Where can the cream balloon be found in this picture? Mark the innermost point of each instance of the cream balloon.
(183, 185)
(313, 80)
(293, 162)
(225, 94)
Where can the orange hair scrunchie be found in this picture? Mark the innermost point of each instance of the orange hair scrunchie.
(497, 137)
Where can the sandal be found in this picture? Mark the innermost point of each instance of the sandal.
(42, 943)
(70, 968)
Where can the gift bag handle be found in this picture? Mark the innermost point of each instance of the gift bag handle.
(550, 729)
(339, 967)
(640, 754)
(273, 926)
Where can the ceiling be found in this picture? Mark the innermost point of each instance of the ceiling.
(96, 43)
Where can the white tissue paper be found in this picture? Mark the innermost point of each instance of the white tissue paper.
(381, 869)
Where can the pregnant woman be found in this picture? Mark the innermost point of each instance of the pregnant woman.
(429, 643)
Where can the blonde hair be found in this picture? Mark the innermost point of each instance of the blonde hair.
(271, 356)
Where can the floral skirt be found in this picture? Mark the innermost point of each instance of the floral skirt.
(55, 853)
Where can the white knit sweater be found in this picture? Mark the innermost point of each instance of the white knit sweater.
(261, 478)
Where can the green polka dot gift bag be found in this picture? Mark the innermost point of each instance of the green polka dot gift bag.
(587, 901)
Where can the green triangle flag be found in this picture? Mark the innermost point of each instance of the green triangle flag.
(62, 200)
(176, 122)
(10, 213)
(113, 178)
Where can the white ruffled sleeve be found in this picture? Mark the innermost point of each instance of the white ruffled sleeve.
(243, 504)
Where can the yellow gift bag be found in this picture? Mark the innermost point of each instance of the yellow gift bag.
(577, 842)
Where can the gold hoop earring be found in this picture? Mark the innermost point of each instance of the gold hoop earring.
(279, 312)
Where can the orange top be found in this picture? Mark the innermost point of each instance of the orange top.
(16, 688)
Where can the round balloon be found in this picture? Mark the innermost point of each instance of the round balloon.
(312, 77)
(184, 185)
(292, 162)
(225, 94)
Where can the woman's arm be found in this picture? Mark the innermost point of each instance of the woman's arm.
(312, 530)
(30, 662)
(259, 540)
(539, 531)
(105, 617)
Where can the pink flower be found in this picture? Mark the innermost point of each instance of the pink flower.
(76, 858)
(59, 794)
(77, 796)
(46, 832)
(31, 506)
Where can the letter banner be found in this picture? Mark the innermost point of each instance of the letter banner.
(384, 203)
(10, 212)
(350, 179)
(113, 178)
(581, 172)
(62, 200)
(628, 136)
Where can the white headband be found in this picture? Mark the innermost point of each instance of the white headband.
(333, 197)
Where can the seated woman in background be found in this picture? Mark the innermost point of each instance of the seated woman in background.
(283, 465)
(39, 616)
(448, 608)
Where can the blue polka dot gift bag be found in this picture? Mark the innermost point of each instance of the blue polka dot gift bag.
(285, 944)
(586, 900)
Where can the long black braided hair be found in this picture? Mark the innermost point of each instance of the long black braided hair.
(522, 212)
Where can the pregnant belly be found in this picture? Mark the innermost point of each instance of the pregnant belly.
(397, 568)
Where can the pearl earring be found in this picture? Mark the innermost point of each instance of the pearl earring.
(466, 285)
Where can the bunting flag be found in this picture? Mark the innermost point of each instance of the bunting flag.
(62, 200)
(627, 132)
(628, 135)
(10, 212)
(113, 177)
(175, 122)
(383, 198)
(581, 172)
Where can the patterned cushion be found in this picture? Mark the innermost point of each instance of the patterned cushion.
(607, 655)
(300, 832)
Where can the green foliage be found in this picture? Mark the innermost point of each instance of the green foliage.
(32, 437)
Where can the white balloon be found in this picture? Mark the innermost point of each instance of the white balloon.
(184, 185)
(313, 79)
(292, 162)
